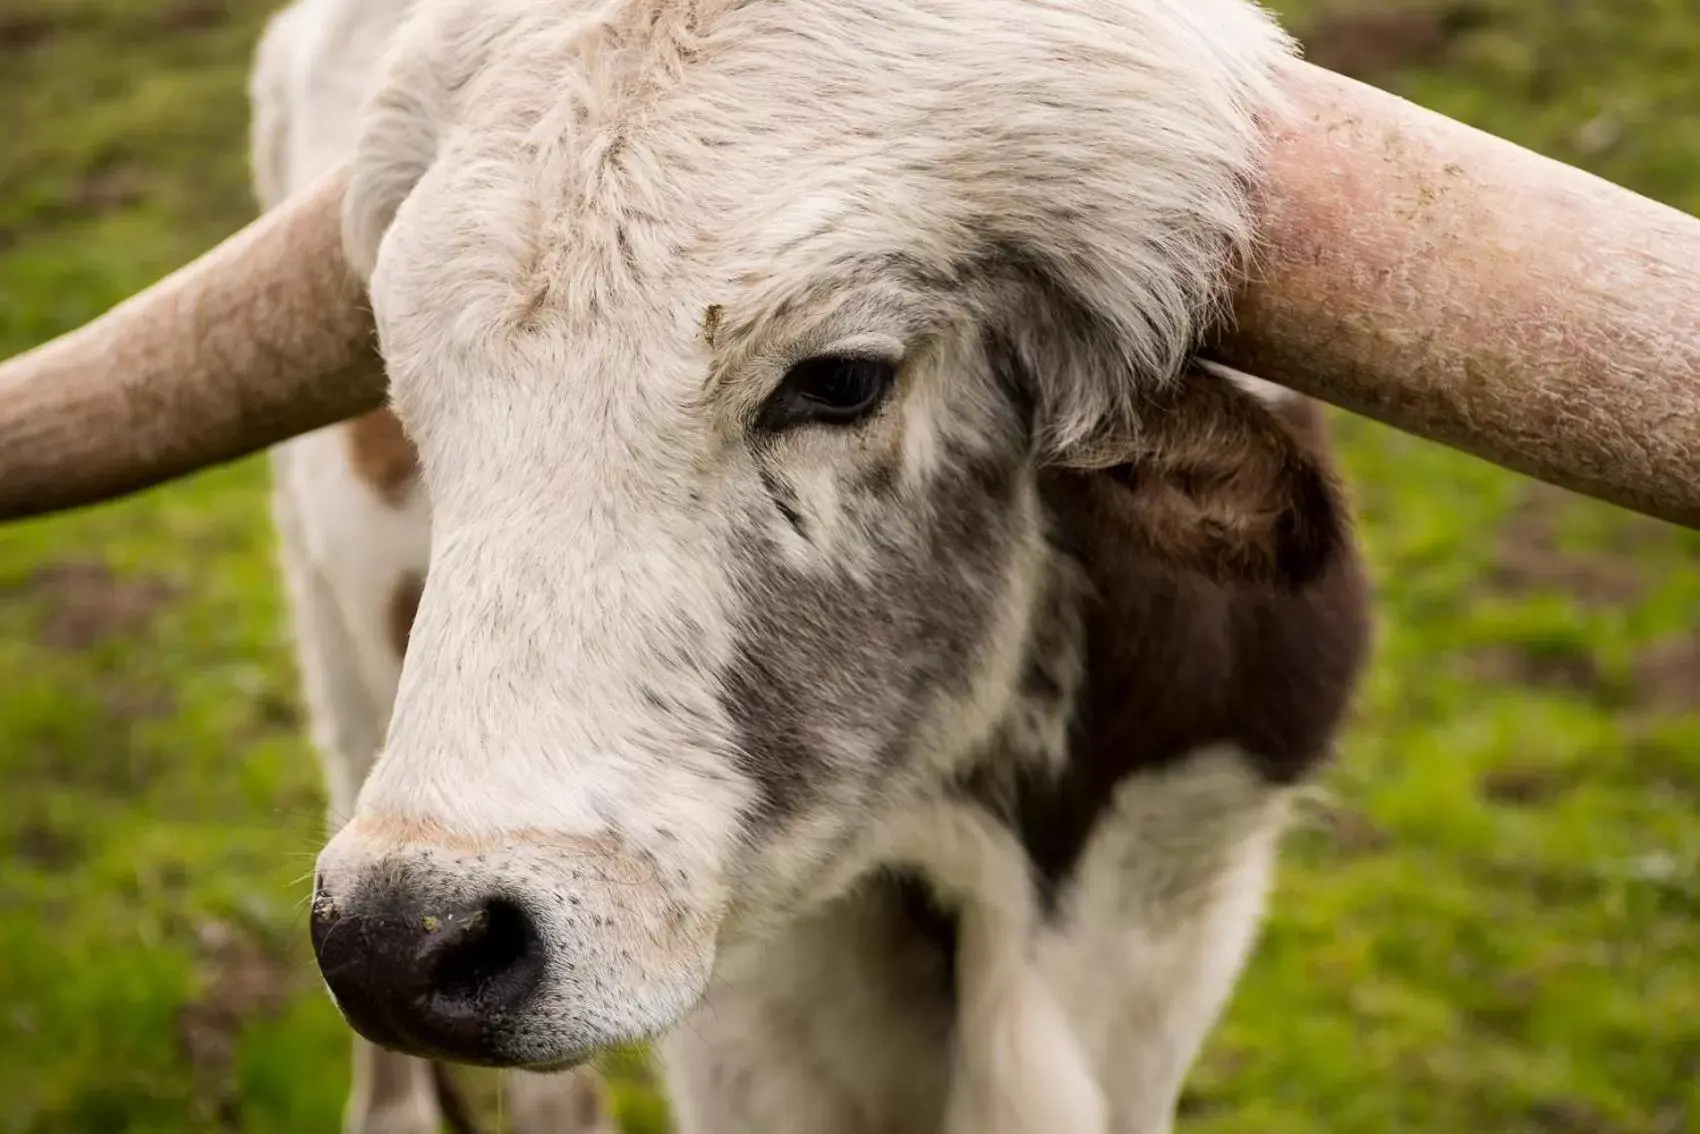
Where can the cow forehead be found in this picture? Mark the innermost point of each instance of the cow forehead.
(605, 188)
(637, 207)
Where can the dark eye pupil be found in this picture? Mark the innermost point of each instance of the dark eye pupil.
(832, 389)
(843, 383)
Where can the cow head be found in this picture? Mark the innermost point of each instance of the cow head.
(734, 340)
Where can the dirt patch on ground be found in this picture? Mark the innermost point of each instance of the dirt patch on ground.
(1667, 675)
(105, 189)
(241, 981)
(276, 711)
(194, 15)
(1341, 828)
(1372, 38)
(1353, 833)
(1530, 556)
(1568, 1116)
(1526, 785)
(1666, 766)
(136, 703)
(1572, 670)
(1568, 668)
(41, 844)
(1671, 1119)
(23, 30)
(87, 603)
(1616, 572)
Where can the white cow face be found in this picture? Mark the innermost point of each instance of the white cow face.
(734, 338)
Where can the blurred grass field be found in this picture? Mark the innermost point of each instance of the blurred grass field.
(1492, 925)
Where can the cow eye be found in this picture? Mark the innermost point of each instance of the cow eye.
(829, 389)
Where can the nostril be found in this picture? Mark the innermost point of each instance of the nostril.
(490, 955)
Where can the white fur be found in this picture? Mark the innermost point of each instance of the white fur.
(1089, 1024)
(1018, 1066)
(524, 173)
(1170, 899)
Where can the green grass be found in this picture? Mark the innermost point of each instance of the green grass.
(1491, 924)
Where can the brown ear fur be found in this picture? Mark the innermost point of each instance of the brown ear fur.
(1220, 484)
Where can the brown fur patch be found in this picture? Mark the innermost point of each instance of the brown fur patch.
(1198, 637)
(1221, 486)
(404, 605)
(382, 455)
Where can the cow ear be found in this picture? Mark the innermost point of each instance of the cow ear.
(1208, 478)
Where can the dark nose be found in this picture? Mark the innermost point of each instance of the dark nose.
(426, 980)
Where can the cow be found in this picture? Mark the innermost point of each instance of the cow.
(798, 692)
(807, 599)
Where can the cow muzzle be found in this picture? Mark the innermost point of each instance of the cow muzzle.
(522, 949)
(438, 978)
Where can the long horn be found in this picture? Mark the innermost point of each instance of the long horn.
(265, 337)
(1461, 288)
